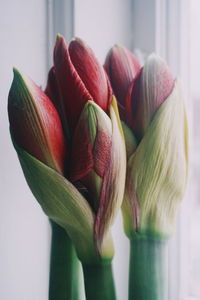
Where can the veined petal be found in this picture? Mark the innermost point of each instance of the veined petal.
(34, 122)
(91, 149)
(113, 181)
(149, 90)
(122, 67)
(91, 72)
(157, 171)
(74, 95)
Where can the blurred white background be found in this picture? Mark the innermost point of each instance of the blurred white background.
(27, 33)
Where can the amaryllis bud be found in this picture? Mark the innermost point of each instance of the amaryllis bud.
(91, 72)
(121, 66)
(99, 162)
(38, 139)
(157, 171)
(148, 91)
(91, 149)
(80, 78)
(34, 122)
(80, 90)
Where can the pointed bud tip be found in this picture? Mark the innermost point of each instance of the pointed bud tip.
(77, 41)
(155, 58)
(60, 40)
(117, 46)
(91, 106)
(59, 37)
(17, 74)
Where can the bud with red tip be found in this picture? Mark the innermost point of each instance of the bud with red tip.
(122, 67)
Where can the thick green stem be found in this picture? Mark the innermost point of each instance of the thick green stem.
(99, 282)
(148, 273)
(64, 267)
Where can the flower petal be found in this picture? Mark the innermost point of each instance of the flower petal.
(74, 95)
(121, 66)
(113, 181)
(91, 149)
(34, 122)
(149, 90)
(52, 91)
(91, 72)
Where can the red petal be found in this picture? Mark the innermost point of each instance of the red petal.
(52, 89)
(73, 92)
(150, 89)
(122, 67)
(88, 155)
(132, 105)
(91, 73)
(34, 122)
(82, 161)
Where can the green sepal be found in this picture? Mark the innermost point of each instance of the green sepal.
(62, 203)
(130, 140)
(157, 171)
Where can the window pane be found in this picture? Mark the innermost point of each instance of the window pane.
(194, 276)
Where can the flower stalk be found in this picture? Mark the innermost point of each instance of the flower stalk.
(148, 269)
(99, 281)
(64, 266)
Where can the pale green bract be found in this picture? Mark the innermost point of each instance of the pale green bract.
(63, 203)
(157, 171)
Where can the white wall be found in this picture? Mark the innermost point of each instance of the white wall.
(24, 229)
(103, 24)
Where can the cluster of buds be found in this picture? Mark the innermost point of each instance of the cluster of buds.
(154, 121)
(70, 142)
(71, 146)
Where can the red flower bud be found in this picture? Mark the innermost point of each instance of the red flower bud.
(121, 66)
(91, 72)
(34, 122)
(148, 91)
(80, 78)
